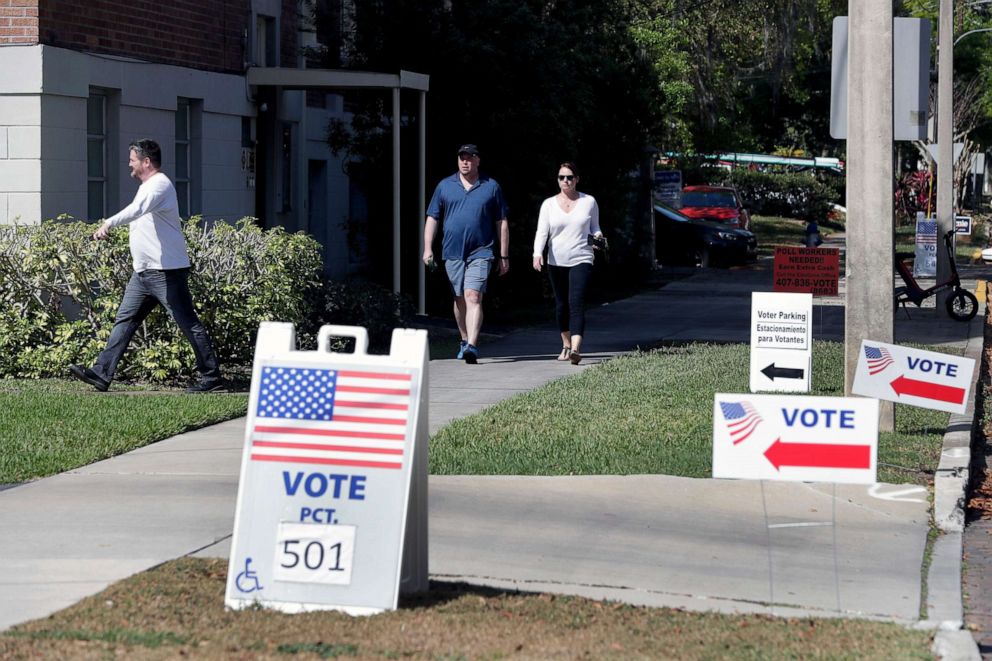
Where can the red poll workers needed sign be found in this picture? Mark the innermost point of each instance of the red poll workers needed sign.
(912, 376)
(795, 438)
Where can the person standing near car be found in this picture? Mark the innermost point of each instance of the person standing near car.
(471, 210)
(160, 277)
(568, 225)
(812, 237)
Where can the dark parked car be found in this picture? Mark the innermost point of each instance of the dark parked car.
(683, 240)
(719, 203)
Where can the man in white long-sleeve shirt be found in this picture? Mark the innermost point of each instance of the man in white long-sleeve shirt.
(161, 273)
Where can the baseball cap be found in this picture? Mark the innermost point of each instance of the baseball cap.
(468, 149)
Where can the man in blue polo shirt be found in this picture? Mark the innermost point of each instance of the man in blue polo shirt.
(470, 206)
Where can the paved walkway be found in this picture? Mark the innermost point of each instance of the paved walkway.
(786, 548)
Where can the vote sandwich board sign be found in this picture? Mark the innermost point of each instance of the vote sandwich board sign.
(332, 500)
(781, 342)
(795, 438)
(927, 379)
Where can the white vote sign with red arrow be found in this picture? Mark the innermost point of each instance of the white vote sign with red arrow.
(795, 438)
(912, 376)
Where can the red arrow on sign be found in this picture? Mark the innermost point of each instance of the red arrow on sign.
(927, 390)
(818, 455)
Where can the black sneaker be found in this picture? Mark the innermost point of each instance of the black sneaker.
(87, 375)
(471, 354)
(205, 386)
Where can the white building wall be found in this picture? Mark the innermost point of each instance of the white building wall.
(43, 146)
(222, 160)
(20, 166)
(43, 93)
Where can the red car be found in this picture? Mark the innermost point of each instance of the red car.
(719, 203)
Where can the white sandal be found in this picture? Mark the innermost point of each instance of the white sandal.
(565, 354)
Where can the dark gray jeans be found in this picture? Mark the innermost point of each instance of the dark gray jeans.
(144, 291)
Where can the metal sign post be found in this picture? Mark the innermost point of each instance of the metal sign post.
(332, 501)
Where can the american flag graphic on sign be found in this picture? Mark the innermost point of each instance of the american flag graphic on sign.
(328, 416)
(926, 232)
(742, 419)
(878, 359)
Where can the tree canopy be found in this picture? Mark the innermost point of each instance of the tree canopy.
(537, 82)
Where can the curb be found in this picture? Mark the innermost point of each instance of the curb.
(945, 607)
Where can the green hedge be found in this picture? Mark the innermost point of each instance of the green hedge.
(788, 194)
(59, 292)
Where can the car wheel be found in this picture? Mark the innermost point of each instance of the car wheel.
(703, 258)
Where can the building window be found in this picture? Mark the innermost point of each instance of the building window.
(183, 156)
(96, 155)
(266, 47)
(287, 167)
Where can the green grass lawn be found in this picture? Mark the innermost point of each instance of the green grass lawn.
(778, 231)
(650, 413)
(635, 414)
(51, 426)
(643, 413)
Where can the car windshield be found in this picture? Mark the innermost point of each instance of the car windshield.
(709, 199)
(670, 213)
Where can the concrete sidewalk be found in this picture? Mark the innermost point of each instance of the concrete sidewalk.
(786, 548)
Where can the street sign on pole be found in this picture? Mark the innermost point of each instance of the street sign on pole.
(795, 438)
(911, 73)
(781, 342)
(332, 501)
(927, 379)
(668, 187)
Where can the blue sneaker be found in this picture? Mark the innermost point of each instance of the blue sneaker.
(471, 354)
(461, 350)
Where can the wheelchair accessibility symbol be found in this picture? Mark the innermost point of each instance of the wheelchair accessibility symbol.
(247, 581)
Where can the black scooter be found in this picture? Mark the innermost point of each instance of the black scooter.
(961, 305)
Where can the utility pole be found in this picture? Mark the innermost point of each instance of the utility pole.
(869, 309)
(945, 143)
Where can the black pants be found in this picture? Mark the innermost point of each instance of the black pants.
(144, 291)
(569, 285)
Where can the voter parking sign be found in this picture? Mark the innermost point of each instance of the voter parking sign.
(927, 379)
(332, 501)
(781, 342)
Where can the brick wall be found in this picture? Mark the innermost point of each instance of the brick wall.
(204, 34)
(18, 22)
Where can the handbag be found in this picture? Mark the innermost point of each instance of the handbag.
(600, 247)
(597, 242)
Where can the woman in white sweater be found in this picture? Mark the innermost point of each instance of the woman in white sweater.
(566, 225)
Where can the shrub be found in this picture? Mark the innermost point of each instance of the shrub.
(792, 194)
(914, 192)
(353, 303)
(59, 292)
(788, 194)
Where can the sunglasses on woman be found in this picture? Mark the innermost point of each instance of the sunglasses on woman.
(566, 177)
